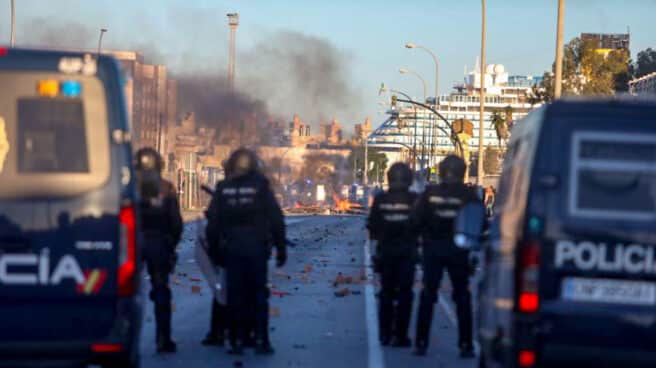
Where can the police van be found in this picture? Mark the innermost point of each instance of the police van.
(68, 221)
(570, 269)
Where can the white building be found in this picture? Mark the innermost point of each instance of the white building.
(645, 85)
(411, 128)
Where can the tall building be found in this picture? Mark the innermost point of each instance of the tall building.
(131, 62)
(607, 42)
(151, 103)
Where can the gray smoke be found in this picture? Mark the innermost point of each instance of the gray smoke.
(285, 72)
(294, 72)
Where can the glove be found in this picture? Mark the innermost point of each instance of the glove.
(281, 257)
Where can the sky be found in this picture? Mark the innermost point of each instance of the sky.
(368, 35)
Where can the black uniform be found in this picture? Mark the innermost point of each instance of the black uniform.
(434, 215)
(389, 224)
(162, 227)
(242, 218)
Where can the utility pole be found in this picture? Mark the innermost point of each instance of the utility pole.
(365, 179)
(481, 116)
(559, 50)
(233, 23)
(13, 24)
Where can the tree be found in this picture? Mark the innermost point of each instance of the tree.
(500, 126)
(587, 71)
(645, 64)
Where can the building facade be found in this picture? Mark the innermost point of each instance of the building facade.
(151, 103)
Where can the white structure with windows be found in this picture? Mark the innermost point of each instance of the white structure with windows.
(411, 128)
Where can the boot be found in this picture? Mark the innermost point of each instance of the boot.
(163, 321)
(420, 348)
(263, 347)
(213, 339)
(237, 348)
(165, 345)
(401, 342)
(467, 350)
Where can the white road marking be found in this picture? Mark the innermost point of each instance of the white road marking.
(375, 351)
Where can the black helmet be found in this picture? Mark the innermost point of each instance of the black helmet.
(148, 159)
(399, 176)
(452, 169)
(241, 162)
(149, 166)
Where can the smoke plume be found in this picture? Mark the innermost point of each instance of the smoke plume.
(285, 72)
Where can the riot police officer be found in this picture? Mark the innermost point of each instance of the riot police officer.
(242, 218)
(434, 217)
(161, 224)
(389, 224)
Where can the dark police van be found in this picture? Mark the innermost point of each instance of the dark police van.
(68, 221)
(570, 270)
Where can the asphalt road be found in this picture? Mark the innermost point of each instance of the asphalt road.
(310, 325)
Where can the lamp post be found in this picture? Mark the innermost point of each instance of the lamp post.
(12, 36)
(423, 126)
(100, 38)
(559, 50)
(481, 116)
(411, 45)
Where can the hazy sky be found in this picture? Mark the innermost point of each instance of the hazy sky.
(188, 34)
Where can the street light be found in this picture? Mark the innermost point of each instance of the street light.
(102, 32)
(411, 45)
(479, 171)
(423, 81)
(423, 126)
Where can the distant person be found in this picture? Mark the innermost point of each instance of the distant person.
(490, 197)
(161, 224)
(243, 218)
(433, 217)
(389, 224)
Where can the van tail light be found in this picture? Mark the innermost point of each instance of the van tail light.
(526, 358)
(528, 298)
(3, 51)
(127, 252)
(107, 348)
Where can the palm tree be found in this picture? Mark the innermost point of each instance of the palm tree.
(500, 126)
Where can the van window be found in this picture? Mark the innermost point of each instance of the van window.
(613, 176)
(54, 134)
